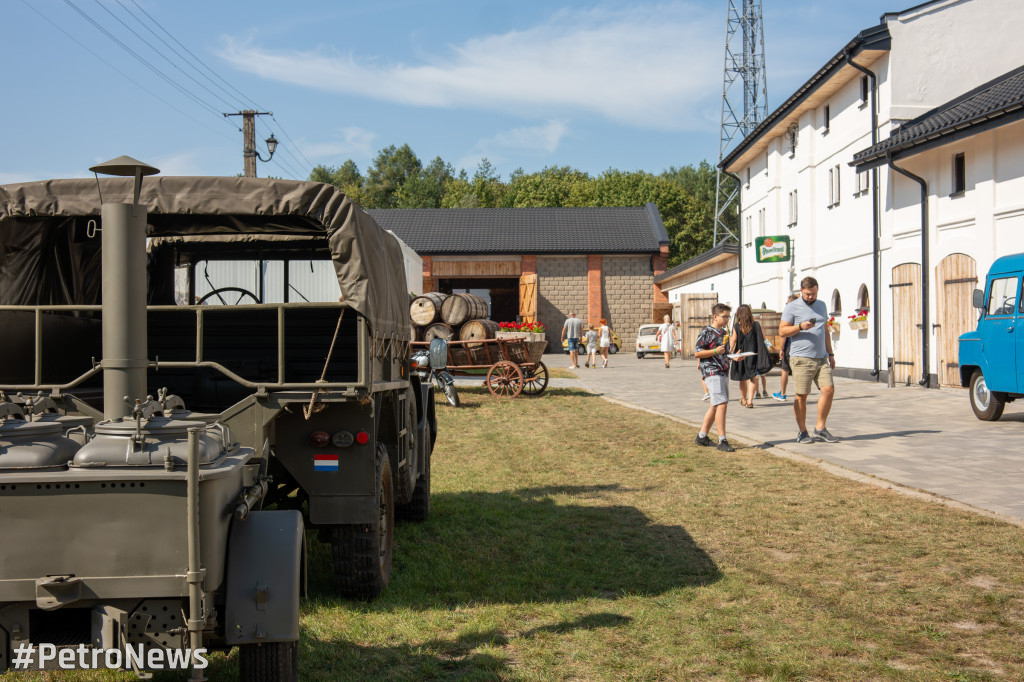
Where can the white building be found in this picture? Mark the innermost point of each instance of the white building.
(857, 228)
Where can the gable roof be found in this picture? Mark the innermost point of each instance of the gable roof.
(996, 103)
(724, 249)
(577, 230)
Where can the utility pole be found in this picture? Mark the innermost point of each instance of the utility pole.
(744, 62)
(249, 140)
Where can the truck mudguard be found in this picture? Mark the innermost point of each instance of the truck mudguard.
(263, 596)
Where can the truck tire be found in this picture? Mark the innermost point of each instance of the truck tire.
(270, 662)
(987, 405)
(362, 552)
(418, 508)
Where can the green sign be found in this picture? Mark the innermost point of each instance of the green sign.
(772, 249)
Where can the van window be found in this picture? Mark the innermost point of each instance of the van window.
(1002, 297)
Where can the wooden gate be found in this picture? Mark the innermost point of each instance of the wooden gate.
(528, 297)
(906, 318)
(957, 276)
(695, 314)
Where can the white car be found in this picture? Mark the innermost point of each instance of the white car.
(647, 340)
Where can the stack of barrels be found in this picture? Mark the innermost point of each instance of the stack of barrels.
(453, 317)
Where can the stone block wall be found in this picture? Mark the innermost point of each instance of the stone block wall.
(561, 288)
(628, 295)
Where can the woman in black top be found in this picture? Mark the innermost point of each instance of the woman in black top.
(748, 337)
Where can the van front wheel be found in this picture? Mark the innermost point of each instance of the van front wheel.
(987, 405)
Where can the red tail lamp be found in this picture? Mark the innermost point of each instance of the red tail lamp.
(319, 439)
(362, 438)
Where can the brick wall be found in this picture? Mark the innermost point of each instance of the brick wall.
(628, 295)
(561, 288)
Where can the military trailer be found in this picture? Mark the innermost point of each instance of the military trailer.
(160, 461)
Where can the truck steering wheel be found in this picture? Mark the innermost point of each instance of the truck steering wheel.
(242, 293)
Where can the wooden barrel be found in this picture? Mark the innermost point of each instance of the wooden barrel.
(438, 330)
(478, 330)
(769, 323)
(459, 308)
(425, 310)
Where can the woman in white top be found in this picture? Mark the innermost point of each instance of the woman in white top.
(606, 340)
(667, 335)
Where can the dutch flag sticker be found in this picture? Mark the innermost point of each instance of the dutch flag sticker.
(325, 462)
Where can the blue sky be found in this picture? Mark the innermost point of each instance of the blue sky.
(527, 84)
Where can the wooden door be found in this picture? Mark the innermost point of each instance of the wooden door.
(906, 314)
(957, 278)
(697, 311)
(528, 297)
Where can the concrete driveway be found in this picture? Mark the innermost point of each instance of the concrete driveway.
(928, 440)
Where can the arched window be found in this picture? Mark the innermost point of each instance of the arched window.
(837, 303)
(863, 300)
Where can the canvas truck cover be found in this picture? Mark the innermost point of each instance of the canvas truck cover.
(48, 256)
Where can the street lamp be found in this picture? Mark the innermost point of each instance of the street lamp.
(271, 147)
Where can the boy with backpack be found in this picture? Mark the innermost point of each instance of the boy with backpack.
(714, 367)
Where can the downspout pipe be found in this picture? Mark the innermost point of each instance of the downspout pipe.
(925, 326)
(739, 233)
(876, 251)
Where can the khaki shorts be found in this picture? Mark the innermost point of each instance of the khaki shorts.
(807, 370)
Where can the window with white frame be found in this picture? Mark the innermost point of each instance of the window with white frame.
(863, 182)
(748, 231)
(833, 186)
(826, 120)
(748, 177)
(865, 90)
(793, 206)
(762, 217)
(959, 184)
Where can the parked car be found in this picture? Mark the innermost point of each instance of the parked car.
(647, 340)
(992, 357)
(616, 345)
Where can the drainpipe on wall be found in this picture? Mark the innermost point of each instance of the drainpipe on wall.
(926, 379)
(739, 233)
(876, 252)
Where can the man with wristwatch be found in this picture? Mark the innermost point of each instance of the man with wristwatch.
(810, 358)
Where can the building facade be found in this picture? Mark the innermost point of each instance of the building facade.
(857, 228)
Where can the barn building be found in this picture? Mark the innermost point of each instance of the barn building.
(540, 264)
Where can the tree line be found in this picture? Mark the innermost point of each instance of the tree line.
(396, 178)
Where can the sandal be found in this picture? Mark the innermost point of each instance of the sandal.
(743, 402)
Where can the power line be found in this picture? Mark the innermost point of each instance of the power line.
(288, 137)
(287, 150)
(140, 86)
(143, 60)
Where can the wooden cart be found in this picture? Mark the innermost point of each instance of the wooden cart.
(507, 362)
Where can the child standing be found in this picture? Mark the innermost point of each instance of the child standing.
(591, 338)
(714, 367)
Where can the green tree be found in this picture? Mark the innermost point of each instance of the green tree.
(426, 189)
(390, 170)
(345, 177)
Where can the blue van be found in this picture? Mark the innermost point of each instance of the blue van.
(992, 356)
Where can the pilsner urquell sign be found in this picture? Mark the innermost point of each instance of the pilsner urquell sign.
(772, 249)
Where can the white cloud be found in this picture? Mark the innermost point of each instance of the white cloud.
(353, 142)
(182, 163)
(541, 139)
(649, 66)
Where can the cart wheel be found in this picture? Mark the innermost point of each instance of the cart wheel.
(536, 380)
(505, 379)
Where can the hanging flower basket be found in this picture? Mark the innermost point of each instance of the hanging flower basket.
(832, 325)
(858, 324)
(859, 320)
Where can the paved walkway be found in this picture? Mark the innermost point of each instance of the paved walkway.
(923, 439)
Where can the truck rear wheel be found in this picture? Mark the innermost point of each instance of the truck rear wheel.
(362, 552)
(987, 405)
(418, 508)
(270, 662)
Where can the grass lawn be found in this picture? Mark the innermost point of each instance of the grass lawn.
(574, 539)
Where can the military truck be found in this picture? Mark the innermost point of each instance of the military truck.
(122, 409)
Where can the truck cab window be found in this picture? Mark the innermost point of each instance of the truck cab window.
(1002, 297)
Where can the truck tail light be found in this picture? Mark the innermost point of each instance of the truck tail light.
(319, 439)
(362, 438)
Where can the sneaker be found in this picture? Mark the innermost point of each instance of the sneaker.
(724, 446)
(707, 396)
(804, 437)
(586, 364)
(824, 435)
(781, 397)
(702, 440)
(757, 395)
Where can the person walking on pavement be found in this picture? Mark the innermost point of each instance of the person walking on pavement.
(710, 350)
(810, 358)
(784, 360)
(591, 344)
(667, 336)
(571, 331)
(747, 337)
(605, 342)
